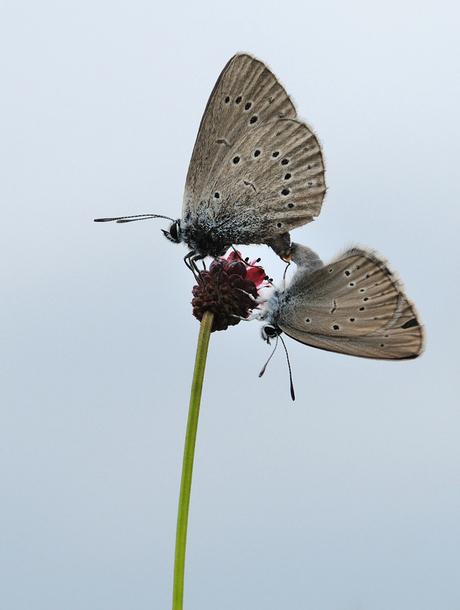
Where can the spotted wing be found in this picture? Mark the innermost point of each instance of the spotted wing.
(356, 306)
(256, 171)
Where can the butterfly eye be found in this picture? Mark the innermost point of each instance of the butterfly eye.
(270, 331)
(173, 231)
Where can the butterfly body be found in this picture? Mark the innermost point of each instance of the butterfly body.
(211, 233)
(354, 305)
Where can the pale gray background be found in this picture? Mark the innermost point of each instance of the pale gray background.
(346, 499)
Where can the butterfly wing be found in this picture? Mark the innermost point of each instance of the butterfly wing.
(256, 171)
(355, 306)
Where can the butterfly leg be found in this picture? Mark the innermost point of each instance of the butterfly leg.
(190, 260)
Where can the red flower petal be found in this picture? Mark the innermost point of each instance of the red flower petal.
(256, 275)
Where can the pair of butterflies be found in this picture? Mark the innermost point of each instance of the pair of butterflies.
(256, 173)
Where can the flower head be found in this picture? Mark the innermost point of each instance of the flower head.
(228, 289)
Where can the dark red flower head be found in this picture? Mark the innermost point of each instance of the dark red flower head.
(224, 290)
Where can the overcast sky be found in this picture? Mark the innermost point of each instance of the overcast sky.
(348, 498)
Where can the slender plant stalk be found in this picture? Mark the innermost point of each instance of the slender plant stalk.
(189, 454)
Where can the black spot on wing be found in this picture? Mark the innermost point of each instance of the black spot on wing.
(411, 323)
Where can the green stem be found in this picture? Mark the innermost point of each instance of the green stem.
(187, 464)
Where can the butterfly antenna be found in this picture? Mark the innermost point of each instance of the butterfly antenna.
(133, 218)
(290, 372)
(271, 356)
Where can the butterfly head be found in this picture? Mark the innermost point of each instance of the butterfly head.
(175, 232)
(269, 332)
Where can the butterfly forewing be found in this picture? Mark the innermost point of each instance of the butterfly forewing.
(397, 341)
(243, 91)
(253, 166)
(354, 306)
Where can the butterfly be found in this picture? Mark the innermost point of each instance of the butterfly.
(256, 171)
(354, 305)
